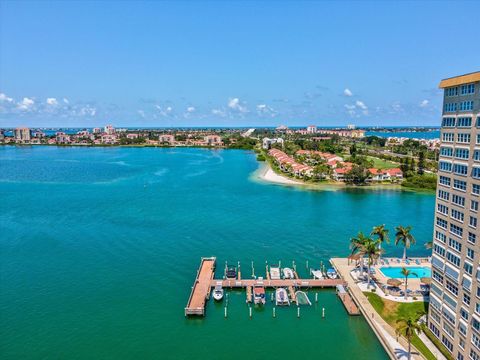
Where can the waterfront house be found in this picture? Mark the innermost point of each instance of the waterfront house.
(166, 139)
(213, 140)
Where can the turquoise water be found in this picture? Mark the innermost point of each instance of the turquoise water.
(396, 272)
(99, 248)
(407, 134)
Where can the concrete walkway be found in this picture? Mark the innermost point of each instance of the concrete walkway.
(396, 347)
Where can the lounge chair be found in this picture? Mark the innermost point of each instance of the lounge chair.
(386, 262)
(407, 261)
(398, 261)
(417, 262)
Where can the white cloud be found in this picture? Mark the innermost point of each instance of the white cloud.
(52, 101)
(88, 111)
(349, 107)
(65, 100)
(236, 105)
(190, 109)
(141, 113)
(26, 104)
(347, 92)
(264, 109)
(361, 105)
(424, 103)
(218, 112)
(5, 98)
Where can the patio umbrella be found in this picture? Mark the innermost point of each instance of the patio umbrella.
(393, 282)
(426, 280)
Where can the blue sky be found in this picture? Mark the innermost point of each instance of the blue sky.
(195, 63)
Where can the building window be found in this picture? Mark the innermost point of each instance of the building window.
(437, 276)
(445, 181)
(442, 209)
(464, 122)
(437, 249)
(476, 172)
(462, 153)
(467, 89)
(460, 169)
(442, 223)
(445, 166)
(466, 299)
(448, 122)
(465, 106)
(473, 222)
(454, 290)
(453, 259)
(444, 195)
(457, 215)
(476, 155)
(459, 184)
(468, 268)
(456, 230)
(474, 205)
(448, 137)
(446, 151)
(450, 107)
(458, 200)
(476, 341)
(463, 138)
(464, 313)
(440, 236)
(475, 189)
(472, 238)
(447, 343)
(454, 244)
(453, 91)
(474, 355)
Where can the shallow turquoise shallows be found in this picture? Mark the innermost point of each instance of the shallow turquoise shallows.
(99, 248)
(416, 271)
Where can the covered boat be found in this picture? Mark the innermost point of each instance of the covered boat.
(218, 291)
(288, 273)
(259, 294)
(274, 272)
(317, 274)
(281, 297)
(231, 272)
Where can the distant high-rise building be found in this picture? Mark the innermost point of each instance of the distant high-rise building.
(454, 312)
(22, 134)
(311, 129)
(351, 127)
(109, 130)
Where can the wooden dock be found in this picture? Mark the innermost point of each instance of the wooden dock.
(347, 300)
(201, 288)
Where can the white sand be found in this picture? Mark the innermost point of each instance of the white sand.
(267, 174)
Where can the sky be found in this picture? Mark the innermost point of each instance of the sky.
(228, 63)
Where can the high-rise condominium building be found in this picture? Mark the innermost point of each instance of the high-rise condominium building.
(22, 134)
(454, 312)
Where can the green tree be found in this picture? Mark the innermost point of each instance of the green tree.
(421, 163)
(366, 246)
(406, 273)
(381, 233)
(404, 236)
(407, 328)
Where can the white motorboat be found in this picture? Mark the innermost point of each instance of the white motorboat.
(317, 274)
(218, 291)
(288, 273)
(274, 273)
(332, 274)
(281, 297)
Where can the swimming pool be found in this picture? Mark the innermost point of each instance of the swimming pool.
(396, 272)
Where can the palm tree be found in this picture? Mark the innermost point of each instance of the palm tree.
(407, 327)
(429, 245)
(366, 246)
(406, 273)
(403, 235)
(381, 233)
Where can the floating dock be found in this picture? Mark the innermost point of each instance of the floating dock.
(205, 281)
(201, 288)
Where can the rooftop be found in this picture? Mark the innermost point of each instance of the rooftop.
(459, 80)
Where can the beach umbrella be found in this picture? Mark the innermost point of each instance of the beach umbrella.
(393, 282)
(426, 280)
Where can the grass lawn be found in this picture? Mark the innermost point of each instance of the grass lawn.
(391, 311)
(383, 164)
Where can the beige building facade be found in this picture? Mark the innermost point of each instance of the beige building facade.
(454, 312)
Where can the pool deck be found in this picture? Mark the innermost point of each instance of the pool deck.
(393, 345)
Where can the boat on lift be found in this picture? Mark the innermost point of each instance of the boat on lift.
(317, 274)
(332, 274)
(288, 273)
(218, 291)
(274, 272)
(231, 272)
(259, 294)
(281, 297)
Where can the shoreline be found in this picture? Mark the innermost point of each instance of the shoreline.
(266, 174)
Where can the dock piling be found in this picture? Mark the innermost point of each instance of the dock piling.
(274, 315)
(225, 312)
(323, 313)
(250, 311)
(306, 265)
(316, 297)
(298, 311)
